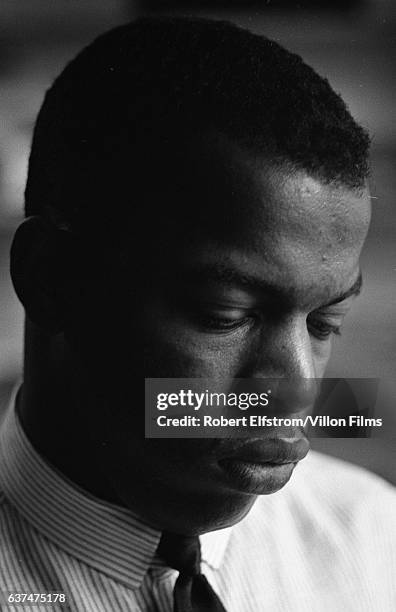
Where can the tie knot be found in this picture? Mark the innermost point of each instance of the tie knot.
(183, 553)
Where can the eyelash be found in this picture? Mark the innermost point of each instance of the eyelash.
(319, 329)
(322, 331)
(223, 324)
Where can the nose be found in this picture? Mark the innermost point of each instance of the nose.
(283, 356)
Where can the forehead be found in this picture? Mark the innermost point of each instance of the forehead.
(289, 209)
(276, 222)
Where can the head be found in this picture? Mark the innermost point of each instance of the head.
(196, 205)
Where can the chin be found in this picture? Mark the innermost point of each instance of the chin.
(221, 516)
(255, 478)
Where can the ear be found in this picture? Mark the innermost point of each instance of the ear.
(42, 259)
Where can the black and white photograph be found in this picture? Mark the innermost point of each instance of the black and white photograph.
(197, 306)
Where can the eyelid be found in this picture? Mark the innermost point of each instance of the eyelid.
(223, 318)
(230, 300)
(223, 303)
(339, 309)
(348, 299)
(322, 330)
(232, 313)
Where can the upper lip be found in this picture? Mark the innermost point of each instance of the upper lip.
(271, 450)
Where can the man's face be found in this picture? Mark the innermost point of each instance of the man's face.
(255, 286)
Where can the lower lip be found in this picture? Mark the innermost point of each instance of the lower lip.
(256, 478)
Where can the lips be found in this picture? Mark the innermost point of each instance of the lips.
(262, 466)
(275, 451)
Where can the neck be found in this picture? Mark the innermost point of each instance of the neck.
(51, 410)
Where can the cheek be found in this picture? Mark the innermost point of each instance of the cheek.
(173, 350)
(321, 352)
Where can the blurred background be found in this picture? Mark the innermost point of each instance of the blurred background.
(352, 42)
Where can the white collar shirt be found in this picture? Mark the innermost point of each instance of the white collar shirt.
(325, 543)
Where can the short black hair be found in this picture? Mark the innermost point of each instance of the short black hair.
(144, 81)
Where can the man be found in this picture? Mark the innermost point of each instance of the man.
(197, 204)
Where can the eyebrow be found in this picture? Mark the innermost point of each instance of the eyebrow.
(227, 275)
(355, 289)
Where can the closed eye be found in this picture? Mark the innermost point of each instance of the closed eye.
(215, 317)
(322, 330)
(323, 324)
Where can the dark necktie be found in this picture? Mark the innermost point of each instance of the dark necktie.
(192, 592)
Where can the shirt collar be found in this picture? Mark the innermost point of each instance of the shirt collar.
(107, 537)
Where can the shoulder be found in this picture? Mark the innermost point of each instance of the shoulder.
(8, 514)
(329, 535)
(336, 501)
(2, 499)
(331, 512)
(340, 484)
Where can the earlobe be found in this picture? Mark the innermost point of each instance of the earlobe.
(37, 261)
